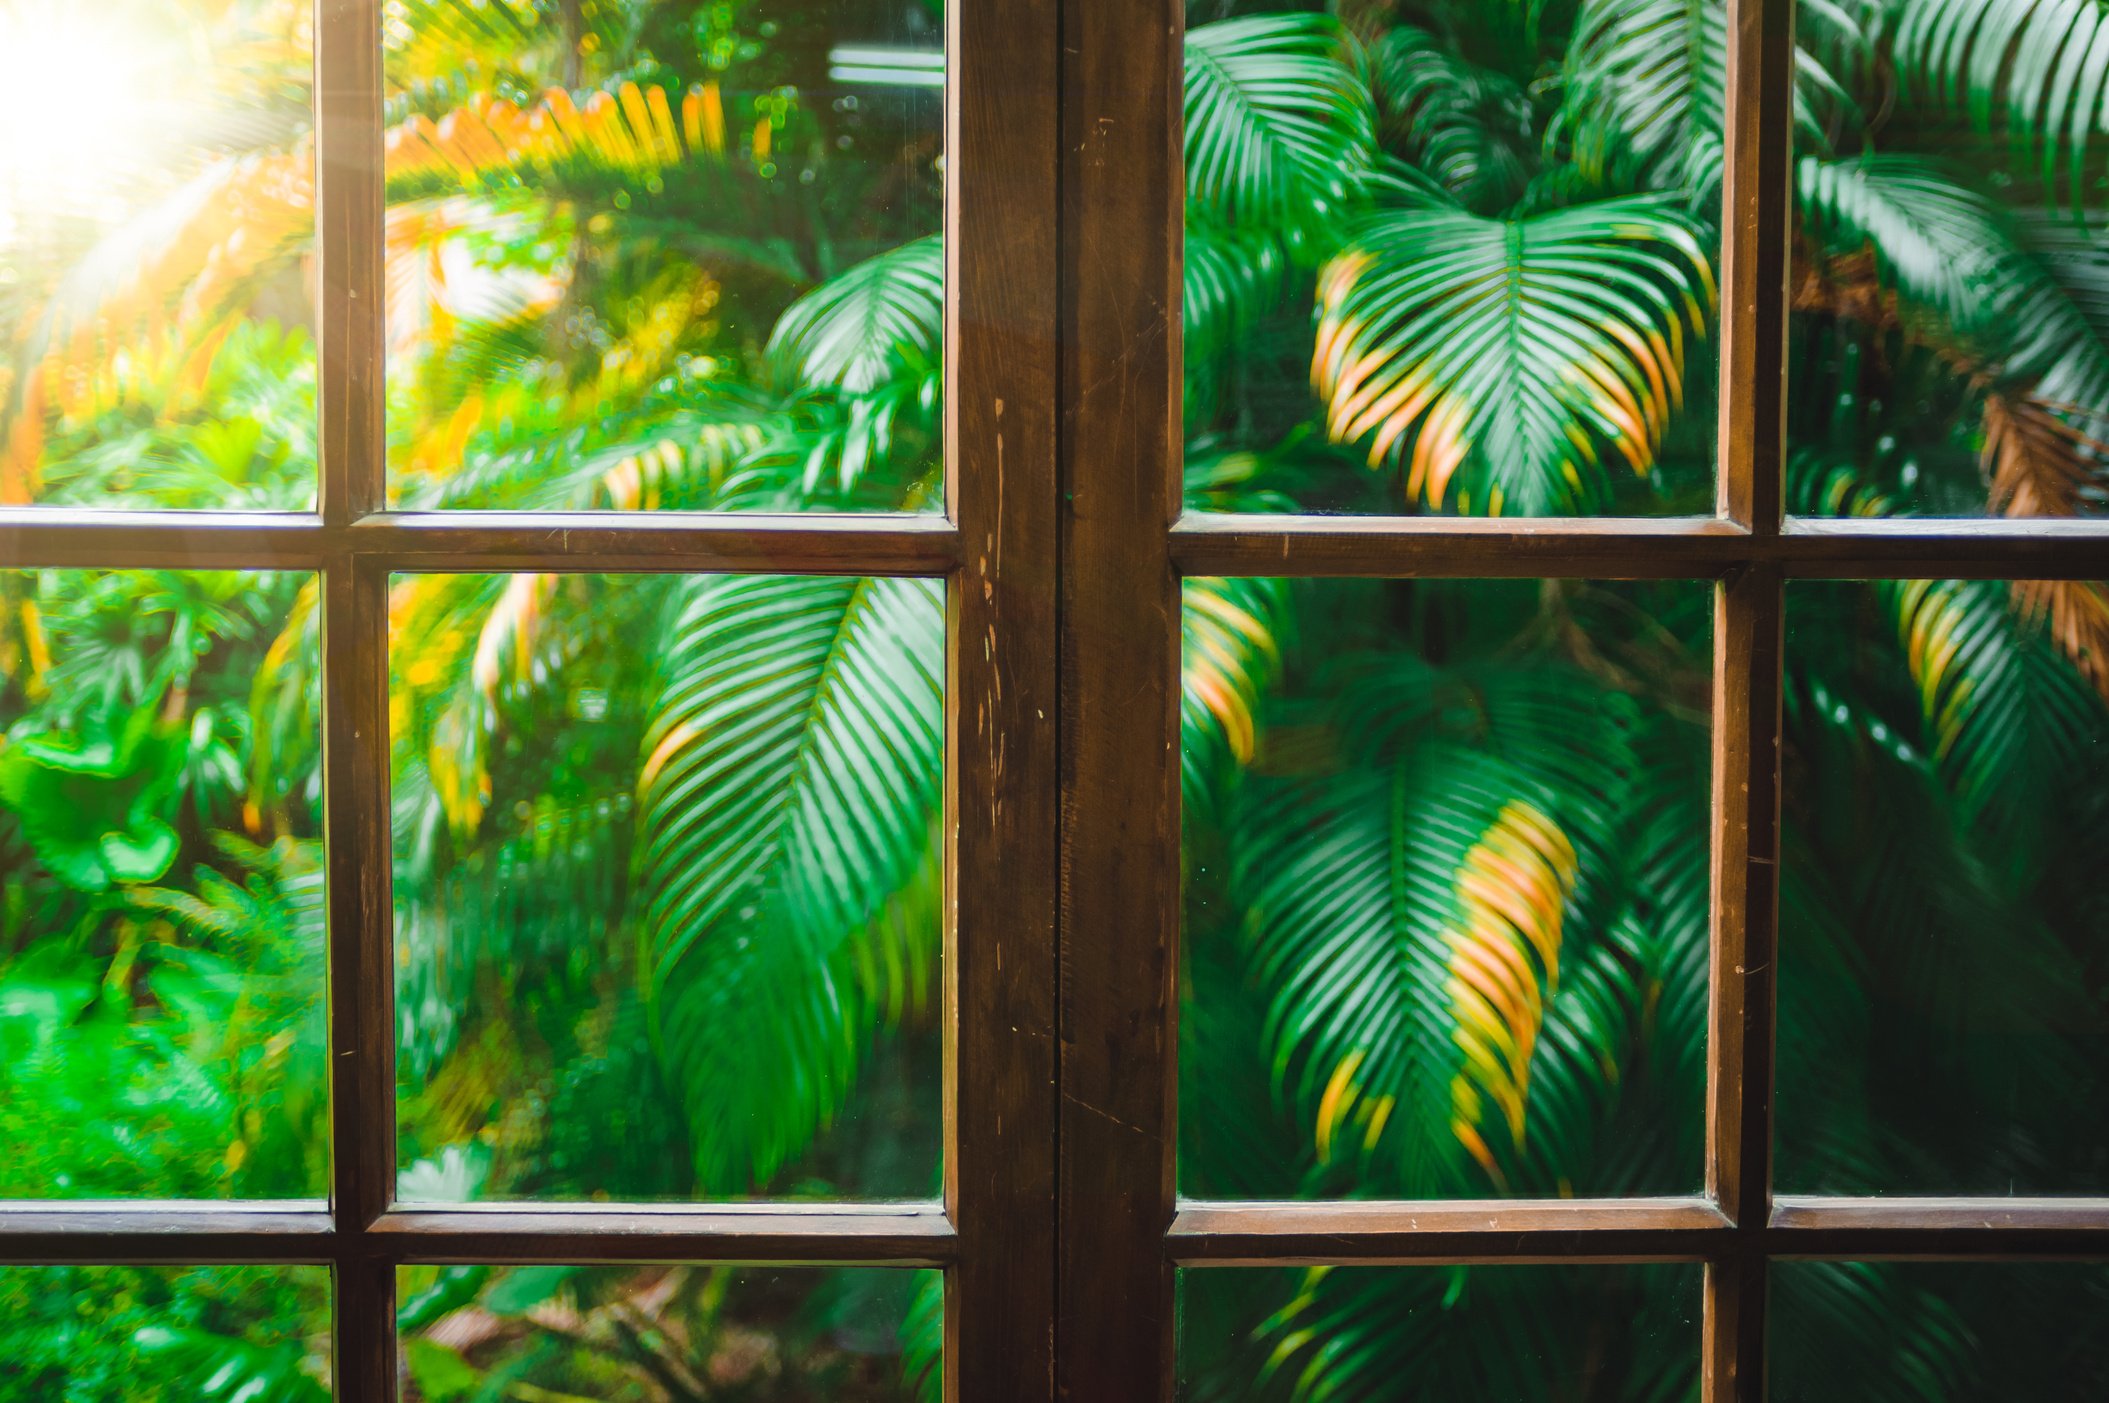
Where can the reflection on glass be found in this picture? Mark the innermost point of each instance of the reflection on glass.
(667, 885)
(1446, 888)
(161, 912)
(1844, 1332)
(643, 1334)
(1944, 943)
(1949, 304)
(671, 255)
(1447, 258)
(1501, 1334)
(157, 227)
(164, 1334)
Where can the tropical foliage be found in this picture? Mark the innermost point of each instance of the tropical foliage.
(667, 849)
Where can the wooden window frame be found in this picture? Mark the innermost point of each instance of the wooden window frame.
(1127, 544)
(1060, 1228)
(993, 1231)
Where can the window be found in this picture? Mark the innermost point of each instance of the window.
(933, 519)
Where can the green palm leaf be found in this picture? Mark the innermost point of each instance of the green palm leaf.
(1279, 124)
(2037, 66)
(1646, 83)
(1967, 283)
(2004, 717)
(1412, 907)
(788, 801)
(1468, 127)
(1645, 88)
(1230, 653)
(879, 321)
(1231, 279)
(1499, 359)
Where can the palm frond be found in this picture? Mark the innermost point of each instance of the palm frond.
(1646, 83)
(1499, 359)
(1410, 911)
(1231, 279)
(1467, 127)
(2002, 718)
(1231, 631)
(789, 793)
(877, 322)
(2033, 67)
(1279, 124)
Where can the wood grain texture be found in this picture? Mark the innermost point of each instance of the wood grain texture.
(361, 982)
(1428, 1233)
(349, 212)
(1756, 216)
(145, 1232)
(906, 1235)
(1636, 547)
(1002, 144)
(605, 541)
(1122, 207)
(1748, 661)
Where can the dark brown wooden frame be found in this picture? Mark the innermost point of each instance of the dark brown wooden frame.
(1127, 544)
(993, 1231)
(1060, 1229)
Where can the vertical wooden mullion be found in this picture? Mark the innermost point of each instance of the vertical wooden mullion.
(349, 200)
(1756, 216)
(1001, 151)
(348, 212)
(1748, 644)
(362, 1021)
(1756, 243)
(1122, 205)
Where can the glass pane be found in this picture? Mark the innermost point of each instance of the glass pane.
(1452, 257)
(157, 233)
(667, 879)
(164, 1334)
(1446, 888)
(1850, 1332)
(673, 255)
(1950, 288)
(641, 1335)
(1610, 1334)
(161, 911)
(1944, 943)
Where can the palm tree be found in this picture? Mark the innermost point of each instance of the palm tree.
(1445, 841)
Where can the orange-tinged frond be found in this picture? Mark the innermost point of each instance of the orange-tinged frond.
(1340, 1095)
(1504, 958)
(1222, 638)
(2041, 466)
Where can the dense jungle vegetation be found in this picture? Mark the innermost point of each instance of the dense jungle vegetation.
(666, 850)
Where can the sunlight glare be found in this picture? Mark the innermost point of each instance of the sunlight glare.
(77, 105)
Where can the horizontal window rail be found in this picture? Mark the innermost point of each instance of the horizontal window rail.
(835, 544)
(1636, 548)
(906, 1235)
